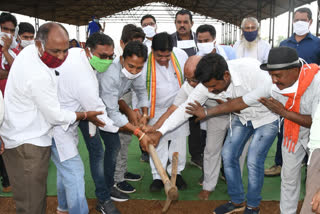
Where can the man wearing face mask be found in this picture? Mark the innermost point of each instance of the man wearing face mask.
(96, 57)
(94, 26)
(294, 95)
(308, 48)
(163, 75)
(8, 52)
(123, 75)
(32, 109)
(25, 34)
(149, 26)
(250, 44)
(206, 36)
(8, 44)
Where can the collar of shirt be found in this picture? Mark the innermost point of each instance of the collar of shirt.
(293, 39)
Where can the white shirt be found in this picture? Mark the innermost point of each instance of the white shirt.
(78, 91)
(31, 102)
(245, 77)
(260, 52)
(167, 88)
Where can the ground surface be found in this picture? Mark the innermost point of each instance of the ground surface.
(148, 206)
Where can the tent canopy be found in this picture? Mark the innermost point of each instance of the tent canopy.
(79, 12)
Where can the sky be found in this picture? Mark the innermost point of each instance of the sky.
(114, 29)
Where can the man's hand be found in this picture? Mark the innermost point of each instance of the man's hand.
(197, 110)
(315, 202)
(144, 120)
(6, 43)
(273, 105)
(133, 118)
(92, 117)
(151, 138)
(148, 129)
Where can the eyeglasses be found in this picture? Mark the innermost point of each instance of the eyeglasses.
(5, 29)
(150, 23)
(104, 56)
(189, 80)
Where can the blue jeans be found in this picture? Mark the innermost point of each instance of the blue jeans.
(102, 163)
(278, 157)
(70, 183)
(112, 148)
(96, 155)
(262, 140)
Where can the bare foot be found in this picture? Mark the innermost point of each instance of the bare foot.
(204, 195)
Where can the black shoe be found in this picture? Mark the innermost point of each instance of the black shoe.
(107, 207)
(180, 183)
(128, 176)
(156, 185)
(125, 187)
(116, 195)
(197, 162)
(144, 157)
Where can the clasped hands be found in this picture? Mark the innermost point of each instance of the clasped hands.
(151, 137)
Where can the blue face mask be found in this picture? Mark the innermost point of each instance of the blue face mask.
(250, 36)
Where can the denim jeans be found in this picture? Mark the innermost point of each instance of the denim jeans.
(70, 183)
(102, 163)
(112, 148)
(96, 155)
(278, 157)
(262, 139)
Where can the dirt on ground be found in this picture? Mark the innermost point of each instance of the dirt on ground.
(7, 206)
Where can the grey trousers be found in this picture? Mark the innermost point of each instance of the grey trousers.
(313, 182)
(291, 179)
(122, 158)
(217, 128)
(27, 167)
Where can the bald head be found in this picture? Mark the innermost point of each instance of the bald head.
(54, 38)
(51, 29)
(190, 69)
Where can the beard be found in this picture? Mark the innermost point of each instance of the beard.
(250, 45)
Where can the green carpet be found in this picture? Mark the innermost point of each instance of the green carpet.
(270, 191)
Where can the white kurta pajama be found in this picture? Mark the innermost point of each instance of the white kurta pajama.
(167, 87)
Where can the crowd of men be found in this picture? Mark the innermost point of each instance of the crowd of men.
(228, 103)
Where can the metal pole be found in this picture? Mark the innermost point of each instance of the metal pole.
(273, 21)
(78, 33)
(259, 10)
(36, 24)
(270, 23)
(292, 11)
(317, 31)
(222, 33)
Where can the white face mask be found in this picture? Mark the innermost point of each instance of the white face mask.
(205, 48)
(129, 75)
(149, 31)
(25, 43)
(13, 43)
(301, 28)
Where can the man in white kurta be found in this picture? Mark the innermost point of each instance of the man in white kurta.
(167, 87)
(251, 45)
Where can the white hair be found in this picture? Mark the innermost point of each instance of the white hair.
(250, 19)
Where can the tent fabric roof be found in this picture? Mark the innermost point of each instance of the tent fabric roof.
(79, 12)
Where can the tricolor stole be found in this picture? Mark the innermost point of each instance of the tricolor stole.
(151, 80)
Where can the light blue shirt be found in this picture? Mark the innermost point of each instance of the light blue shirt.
(113, 85)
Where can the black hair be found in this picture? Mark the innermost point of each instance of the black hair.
(8, 17)
(207, 28)
(98, 38)
(135, 48)
(146, 17)
(184, 12)
(162, 42)
(211, 66)
(25, 27)
(42, 34)
(304, 10)
(131, 32)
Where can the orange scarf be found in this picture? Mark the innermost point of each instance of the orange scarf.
(291, 129)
